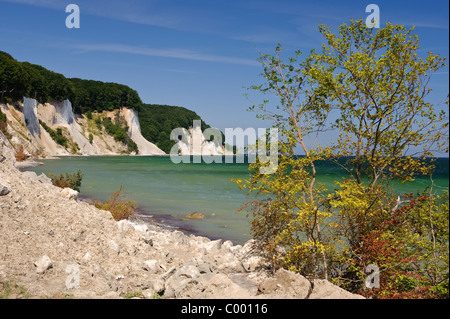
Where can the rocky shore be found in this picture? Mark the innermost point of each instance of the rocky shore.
(54, 246)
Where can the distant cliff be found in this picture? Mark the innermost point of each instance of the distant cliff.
(52, 129)
(71, 116)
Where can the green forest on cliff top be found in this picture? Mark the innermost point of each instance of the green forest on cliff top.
(19, 79)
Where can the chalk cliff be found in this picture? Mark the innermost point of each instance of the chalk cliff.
(194, 142)
(84, 135)
(134, 130)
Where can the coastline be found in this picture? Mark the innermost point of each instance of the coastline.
(170, 216)
(163, 221)
(45, 234)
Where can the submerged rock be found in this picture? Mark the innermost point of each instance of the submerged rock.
(195, 215)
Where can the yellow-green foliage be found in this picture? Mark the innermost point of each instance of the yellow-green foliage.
(375, 85)
(119, 208)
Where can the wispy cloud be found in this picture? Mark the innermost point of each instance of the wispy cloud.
(52, 4)
(178, 16)
(428, 25)
(175, 53)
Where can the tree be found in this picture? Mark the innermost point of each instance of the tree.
(292, 215)
(368, 87)
(379, 85)
(155, 119)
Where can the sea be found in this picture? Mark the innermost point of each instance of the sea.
(166, 192)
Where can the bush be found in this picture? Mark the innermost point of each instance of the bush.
(132, 147)
(68, 180)
(3, 124)
(119, 132)
(119, 208)
(20, 154)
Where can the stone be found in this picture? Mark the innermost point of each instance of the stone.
(181, 281)
(30, 175)
(286, 283)
(43, 264)
(195, 215)
(248, 249)
(44, 179)
(141, 228)
(4, 190)
(236, 249)
(227, 245)
(124, 225)
(169, 273)
(179, 238)
(147, 238)
(151, 266)
(87, 257)
(188, 271)
(232, 267)
(221, 286)
(253, 263)
(154, 286)
(323, 289)
(213, 246)
(114, 246)
(69, 193)
(204, 268)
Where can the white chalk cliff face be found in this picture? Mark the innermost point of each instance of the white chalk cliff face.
(84, 137)
(31, 116)
(134, 131)
(193, 142)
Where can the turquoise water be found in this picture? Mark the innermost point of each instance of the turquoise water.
(170, 191)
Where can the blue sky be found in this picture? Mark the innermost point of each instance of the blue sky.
(195, 53)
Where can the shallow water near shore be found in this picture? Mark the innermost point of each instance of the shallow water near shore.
(170, 191)
(166, 190)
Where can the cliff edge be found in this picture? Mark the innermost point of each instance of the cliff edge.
(52, 129)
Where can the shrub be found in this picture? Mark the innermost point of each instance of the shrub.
(98, 122)
(119, 208)
(20, 154)
(132, 146)
(3, 124)
(68, 180)
(410, 247)
(119, 132)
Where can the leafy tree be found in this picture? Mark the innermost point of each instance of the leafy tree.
(293, 215)
(90, 95)
(379, 85)
(19, 79)
(158, 121)
(370, 87)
